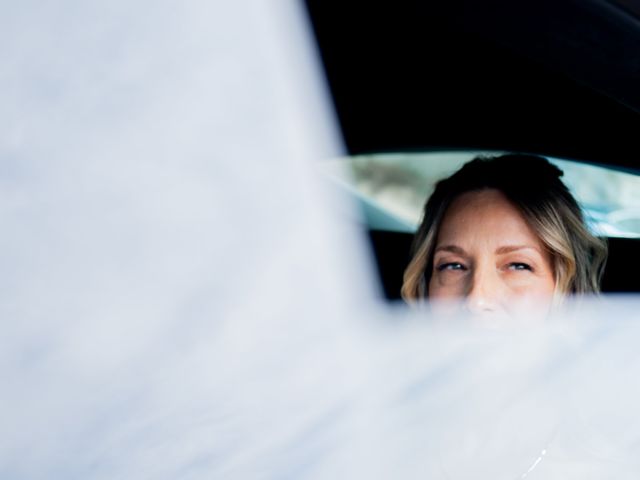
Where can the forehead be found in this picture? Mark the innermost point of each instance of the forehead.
(488, 216)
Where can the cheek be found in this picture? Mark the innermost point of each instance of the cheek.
(535, 295)
(444, 298)
(523, 285)
(443, 288)
(530, 306)
(536, 284)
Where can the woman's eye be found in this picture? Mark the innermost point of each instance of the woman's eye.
(520, 266)
(451, 266)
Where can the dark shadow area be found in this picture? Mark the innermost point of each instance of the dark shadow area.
(552, 78)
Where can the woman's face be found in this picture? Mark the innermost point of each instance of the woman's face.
(489, 259)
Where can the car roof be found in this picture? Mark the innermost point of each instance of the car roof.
(556, 78)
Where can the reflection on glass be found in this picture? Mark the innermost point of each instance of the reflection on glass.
(392, 188)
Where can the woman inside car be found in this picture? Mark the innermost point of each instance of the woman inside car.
(503, 235)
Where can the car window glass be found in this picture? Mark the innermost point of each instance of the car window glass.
(392, 188)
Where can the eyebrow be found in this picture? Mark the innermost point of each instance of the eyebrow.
(451, 248)
(514, 248)
(500, 250)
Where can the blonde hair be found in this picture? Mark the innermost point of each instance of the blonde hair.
(534, 186)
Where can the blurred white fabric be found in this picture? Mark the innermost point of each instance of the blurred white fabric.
(180, 300)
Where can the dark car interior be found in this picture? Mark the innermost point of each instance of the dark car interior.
(556, 78)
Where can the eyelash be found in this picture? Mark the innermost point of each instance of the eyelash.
(457, 266)
(520, 264)
(445, 266)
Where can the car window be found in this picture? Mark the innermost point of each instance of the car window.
(392, 188)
